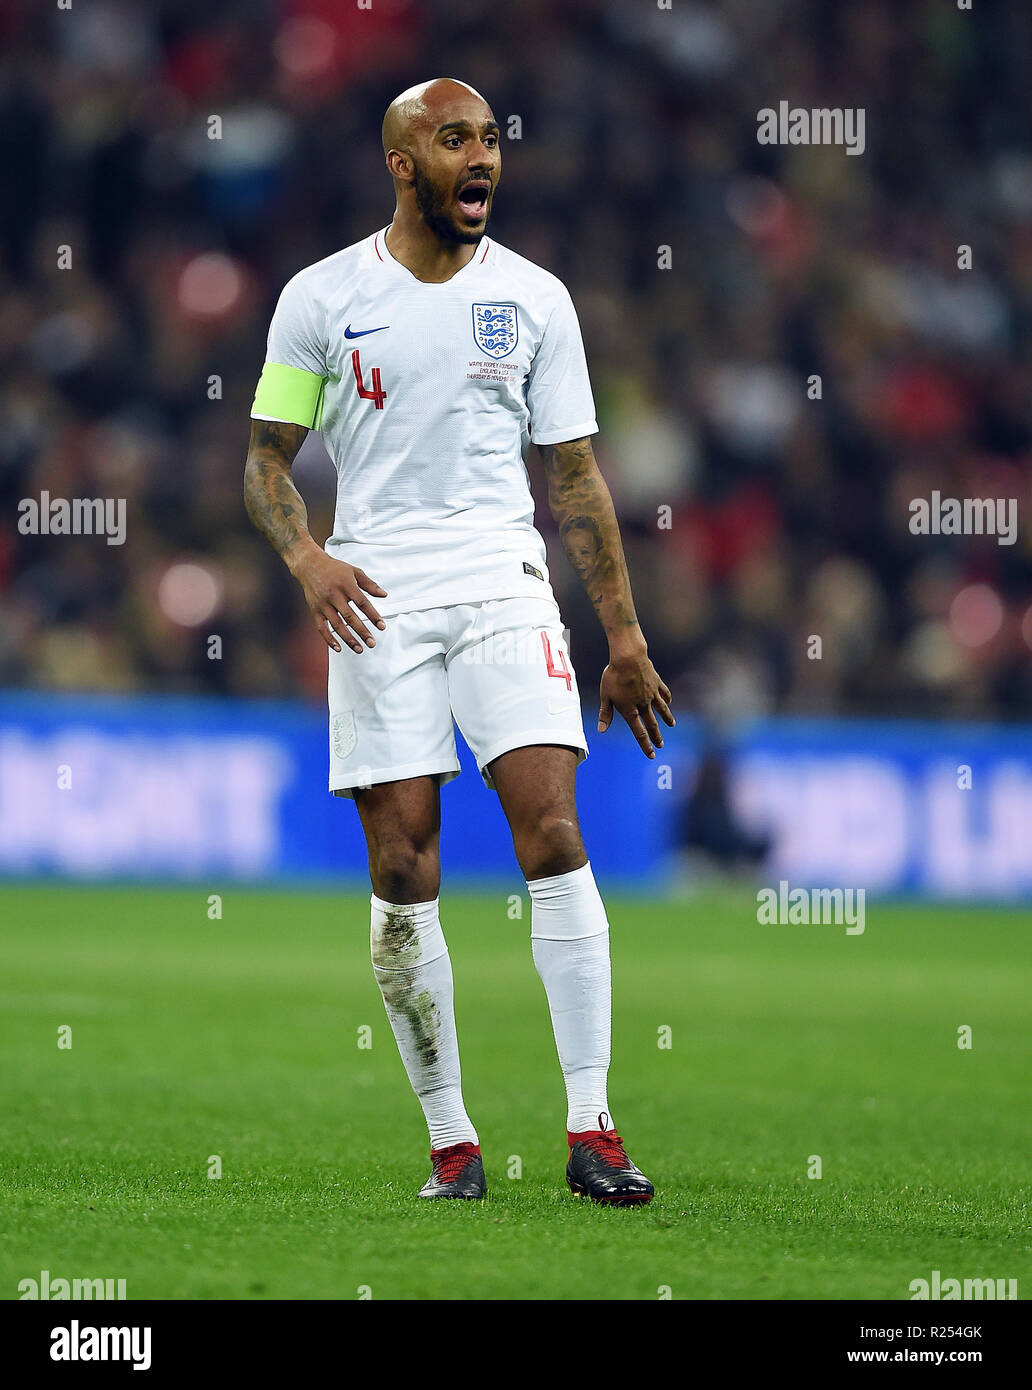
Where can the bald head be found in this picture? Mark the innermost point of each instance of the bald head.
(418, 112)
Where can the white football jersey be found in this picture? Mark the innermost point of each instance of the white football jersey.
(428, 397)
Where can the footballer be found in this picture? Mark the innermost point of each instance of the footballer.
(431, 358)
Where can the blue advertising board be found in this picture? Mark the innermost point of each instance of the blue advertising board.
(202, 790)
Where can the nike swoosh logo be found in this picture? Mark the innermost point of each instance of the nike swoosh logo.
(361, 333)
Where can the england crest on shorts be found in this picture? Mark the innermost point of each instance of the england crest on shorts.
(496, 328)
(343, 734)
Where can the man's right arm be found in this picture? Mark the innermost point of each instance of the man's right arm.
(273, 502)
(278, 510)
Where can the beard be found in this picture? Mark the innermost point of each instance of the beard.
(431, 201)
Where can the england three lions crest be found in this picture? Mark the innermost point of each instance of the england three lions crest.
(496, 328)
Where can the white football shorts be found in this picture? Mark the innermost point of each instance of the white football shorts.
(499, 668)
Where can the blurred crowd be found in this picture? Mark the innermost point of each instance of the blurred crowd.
(784, 349)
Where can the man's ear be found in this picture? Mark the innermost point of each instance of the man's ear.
(400, 165)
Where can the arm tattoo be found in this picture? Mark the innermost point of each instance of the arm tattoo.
(273, 502)
(583, 510)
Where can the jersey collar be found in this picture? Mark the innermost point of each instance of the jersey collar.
(391, 263)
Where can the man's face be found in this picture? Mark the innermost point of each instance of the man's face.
(457, 173)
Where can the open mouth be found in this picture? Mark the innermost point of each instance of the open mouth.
(473, 198)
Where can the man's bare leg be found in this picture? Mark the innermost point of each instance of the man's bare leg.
(402, 826)
(537, 789)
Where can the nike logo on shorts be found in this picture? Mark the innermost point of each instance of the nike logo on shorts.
(561, 706)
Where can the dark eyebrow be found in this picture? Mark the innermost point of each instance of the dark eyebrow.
(466, 125)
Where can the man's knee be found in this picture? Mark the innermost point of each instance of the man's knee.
(549, 843)
(405, 870)
(402, 826)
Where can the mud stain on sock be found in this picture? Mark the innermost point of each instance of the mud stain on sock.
(396, 945)
(419, 1011)
(397, 950)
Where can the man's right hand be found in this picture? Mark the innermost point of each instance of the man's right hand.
(331, 587)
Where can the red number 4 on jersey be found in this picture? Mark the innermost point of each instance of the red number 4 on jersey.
(377, 394)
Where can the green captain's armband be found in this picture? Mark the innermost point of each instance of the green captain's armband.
(290, 394)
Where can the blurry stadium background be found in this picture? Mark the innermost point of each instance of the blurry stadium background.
(130, 375)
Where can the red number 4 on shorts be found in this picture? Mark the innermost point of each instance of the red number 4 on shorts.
(561, 672)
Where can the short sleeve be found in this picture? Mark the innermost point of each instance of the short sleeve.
(558, 389)
(295, 373)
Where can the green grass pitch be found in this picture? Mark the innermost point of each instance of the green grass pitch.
(239, 1038)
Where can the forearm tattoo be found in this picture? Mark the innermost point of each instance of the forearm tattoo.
(589, 531)
(273, 502)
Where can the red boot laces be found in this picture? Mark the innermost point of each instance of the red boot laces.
(608, 1147)
(450, 1163)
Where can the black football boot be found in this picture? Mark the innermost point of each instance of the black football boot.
(458, 1172)
(600, 1169)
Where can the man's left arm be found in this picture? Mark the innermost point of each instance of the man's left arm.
(583, 510)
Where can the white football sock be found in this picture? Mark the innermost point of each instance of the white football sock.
(413, 969)
(570, 940)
